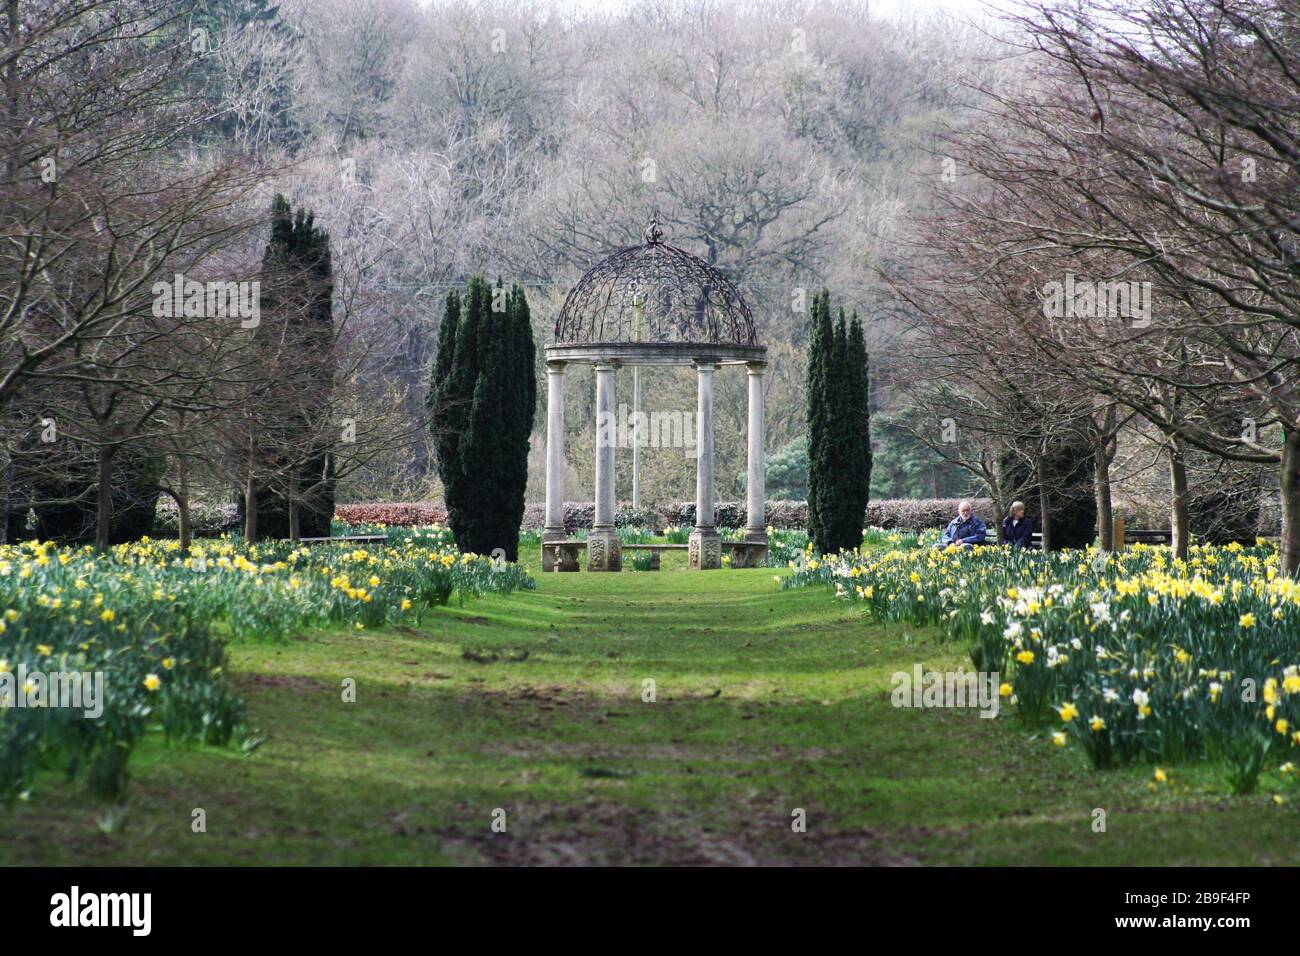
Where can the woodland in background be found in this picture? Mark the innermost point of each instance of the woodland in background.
(918, 166)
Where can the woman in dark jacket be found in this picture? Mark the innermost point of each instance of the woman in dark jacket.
(1017, 529)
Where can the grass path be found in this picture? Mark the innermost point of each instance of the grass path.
(766, 701)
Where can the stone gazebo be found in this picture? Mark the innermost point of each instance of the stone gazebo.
(653, 304)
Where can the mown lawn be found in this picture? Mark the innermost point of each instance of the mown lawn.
(766, 701)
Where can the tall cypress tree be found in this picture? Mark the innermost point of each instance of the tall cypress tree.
(446, 436)
(298, 308)
(817, 411)
(457, 397)
(860, 426)
(484, 396)
(836, 531)
(839, 435)
(521, 395)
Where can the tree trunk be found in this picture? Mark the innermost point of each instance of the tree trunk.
(250, 496)
(250, 511)
(1044, 503)
(4, 504)
(295, 531)
(183, 504)
(1289, 479)
(1105, 506)
(1179, 522)
(104, 509)
(1000, 504)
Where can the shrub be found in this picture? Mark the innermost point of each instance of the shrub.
(205, 517)
(629, 517)
(400, 515)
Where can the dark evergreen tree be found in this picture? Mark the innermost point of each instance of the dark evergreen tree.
(483, 399)
(1226, 496)
(839, 402)
(859, 438)
(203, 26)
(58, 483)
(1067, 474)
(839, 434)
(817, 411)
(298, 322)
(443, 415)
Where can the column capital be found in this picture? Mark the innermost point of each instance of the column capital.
(755, 368)
(555, 366)
(607, 365)
(705, 363)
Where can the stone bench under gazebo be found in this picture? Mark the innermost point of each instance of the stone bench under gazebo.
(652, 304)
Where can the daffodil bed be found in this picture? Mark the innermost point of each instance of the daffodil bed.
(153, 621)
(1131, 655)
(534, 702)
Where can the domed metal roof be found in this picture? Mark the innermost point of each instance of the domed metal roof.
(654, 292)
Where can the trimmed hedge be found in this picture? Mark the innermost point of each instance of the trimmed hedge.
(894, 514)
(393, 514)
(917, 514)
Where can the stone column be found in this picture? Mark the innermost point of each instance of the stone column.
(756, 523)
(604, 551)
(705, 545)
(554, 530)
(636, 438)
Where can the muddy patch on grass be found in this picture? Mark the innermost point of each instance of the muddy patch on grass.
(601, 833)
(277, 682)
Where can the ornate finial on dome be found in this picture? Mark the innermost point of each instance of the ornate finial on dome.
(653, 234)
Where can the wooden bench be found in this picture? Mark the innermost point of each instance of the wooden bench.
(744, 554)
(1131, 536)
(348, 539)
(1148, 536)
(344, 539)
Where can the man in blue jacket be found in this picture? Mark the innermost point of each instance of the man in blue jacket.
(965, 530)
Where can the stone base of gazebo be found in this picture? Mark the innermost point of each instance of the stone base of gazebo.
(705, 549)
(604, 550)
(752, 555)
(555, 558)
